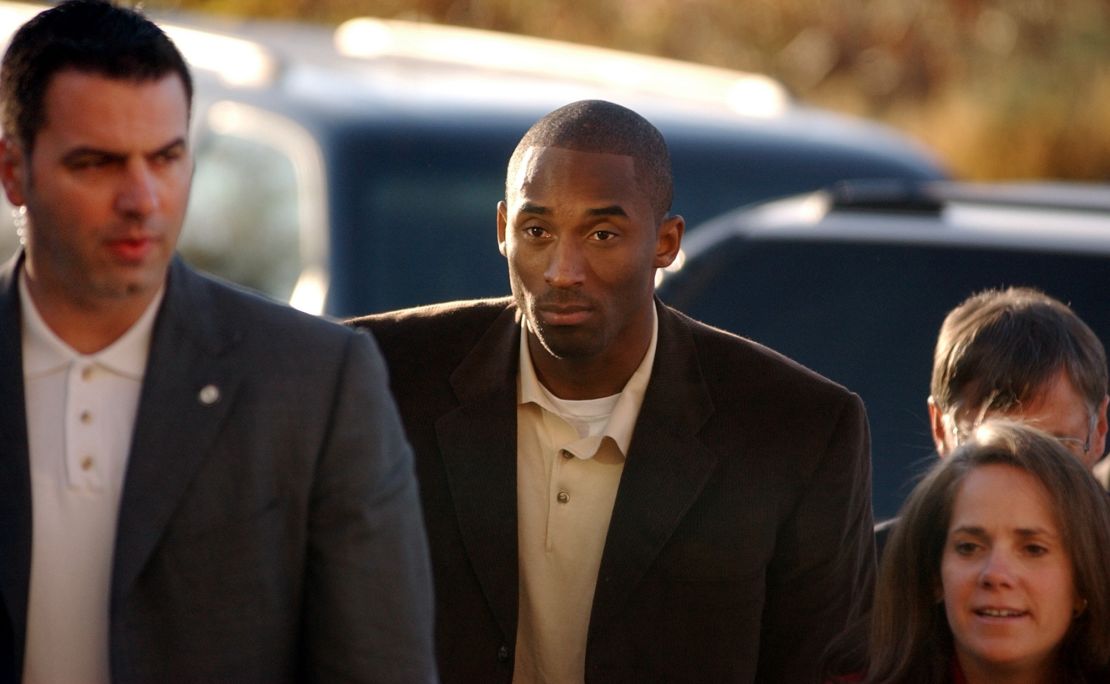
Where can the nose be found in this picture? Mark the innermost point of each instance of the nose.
(566, 266)
(137, 196)
(996, 571)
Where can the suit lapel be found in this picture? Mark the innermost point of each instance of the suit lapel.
(15, 477)
(666, 470)
(478, 444)
(176, 421)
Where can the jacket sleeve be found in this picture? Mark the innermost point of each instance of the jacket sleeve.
(368, 589)
(823, 571)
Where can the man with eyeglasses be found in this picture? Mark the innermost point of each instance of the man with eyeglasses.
(1018, 353)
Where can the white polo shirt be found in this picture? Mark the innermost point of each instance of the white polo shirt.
(80, 418)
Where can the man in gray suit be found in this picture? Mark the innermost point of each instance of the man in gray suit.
(195, 483)
(614, 492)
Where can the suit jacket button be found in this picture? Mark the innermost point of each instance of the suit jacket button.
(503, 654)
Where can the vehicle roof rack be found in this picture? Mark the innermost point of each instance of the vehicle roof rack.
(887, 195)
(930, 197)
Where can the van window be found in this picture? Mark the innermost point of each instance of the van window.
(248, 206)
(867, 316)
(416, 223)
(242, 220)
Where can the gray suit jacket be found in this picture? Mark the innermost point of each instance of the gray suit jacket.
(272, 536)
(740, 541)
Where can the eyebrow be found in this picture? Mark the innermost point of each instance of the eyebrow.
(1035, 532)
(79, 152)
(968, 529)
(529, 208)
(1024, 532)
(611, 210)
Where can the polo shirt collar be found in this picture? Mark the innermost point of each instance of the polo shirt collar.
(625, 412)
(44, 352)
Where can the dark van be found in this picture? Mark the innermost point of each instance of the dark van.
(357, 170)
(854, 282)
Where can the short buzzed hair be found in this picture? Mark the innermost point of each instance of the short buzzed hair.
(91, 36)
(600, 126)
(999, 347)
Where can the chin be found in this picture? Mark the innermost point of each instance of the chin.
(569, 346)
(1013, 659)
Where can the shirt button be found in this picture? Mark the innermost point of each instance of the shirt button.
(87, 373)
(87, 463)
(86, 417)
(503, 654)
(563, 497)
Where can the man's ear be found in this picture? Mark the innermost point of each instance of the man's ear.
(1098, 438)
(940, 430)
(669, 240)
(502, 222)
(13, 171)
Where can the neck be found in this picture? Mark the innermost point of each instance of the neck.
(86, 326)
(1043, 673)
(588, 378)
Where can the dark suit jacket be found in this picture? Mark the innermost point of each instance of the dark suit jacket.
(740, 540)
(272, 536)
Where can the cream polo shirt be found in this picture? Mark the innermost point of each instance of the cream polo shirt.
(568, 470)
(80, 417)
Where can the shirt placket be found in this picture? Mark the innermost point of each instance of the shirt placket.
(83, 452)
(558, 489)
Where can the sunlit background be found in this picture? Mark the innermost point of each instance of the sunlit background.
(1008, 89)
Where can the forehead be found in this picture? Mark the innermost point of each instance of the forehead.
(88, 108)
(1057, 408)
(1002, 497)
(560, 174)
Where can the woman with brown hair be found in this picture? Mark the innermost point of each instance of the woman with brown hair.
(998, 571)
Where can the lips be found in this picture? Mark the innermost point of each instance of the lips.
(573, 314)
(563, 308)
(990, 612)
(131, 249)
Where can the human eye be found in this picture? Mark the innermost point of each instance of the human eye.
(169, 155)
(965, 548)
(82, 162)
(1035, 550)
(534, 231)
(1072, 444)
(603, 235)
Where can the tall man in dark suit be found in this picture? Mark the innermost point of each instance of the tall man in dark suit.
(614, 492)
(195, 484)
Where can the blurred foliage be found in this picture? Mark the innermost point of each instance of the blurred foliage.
(999, 89)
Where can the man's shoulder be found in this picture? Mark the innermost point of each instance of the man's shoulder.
(220, 309)
(423, 346)
(727, 358)
(456, 321)
(441, 313)
(260, 306)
